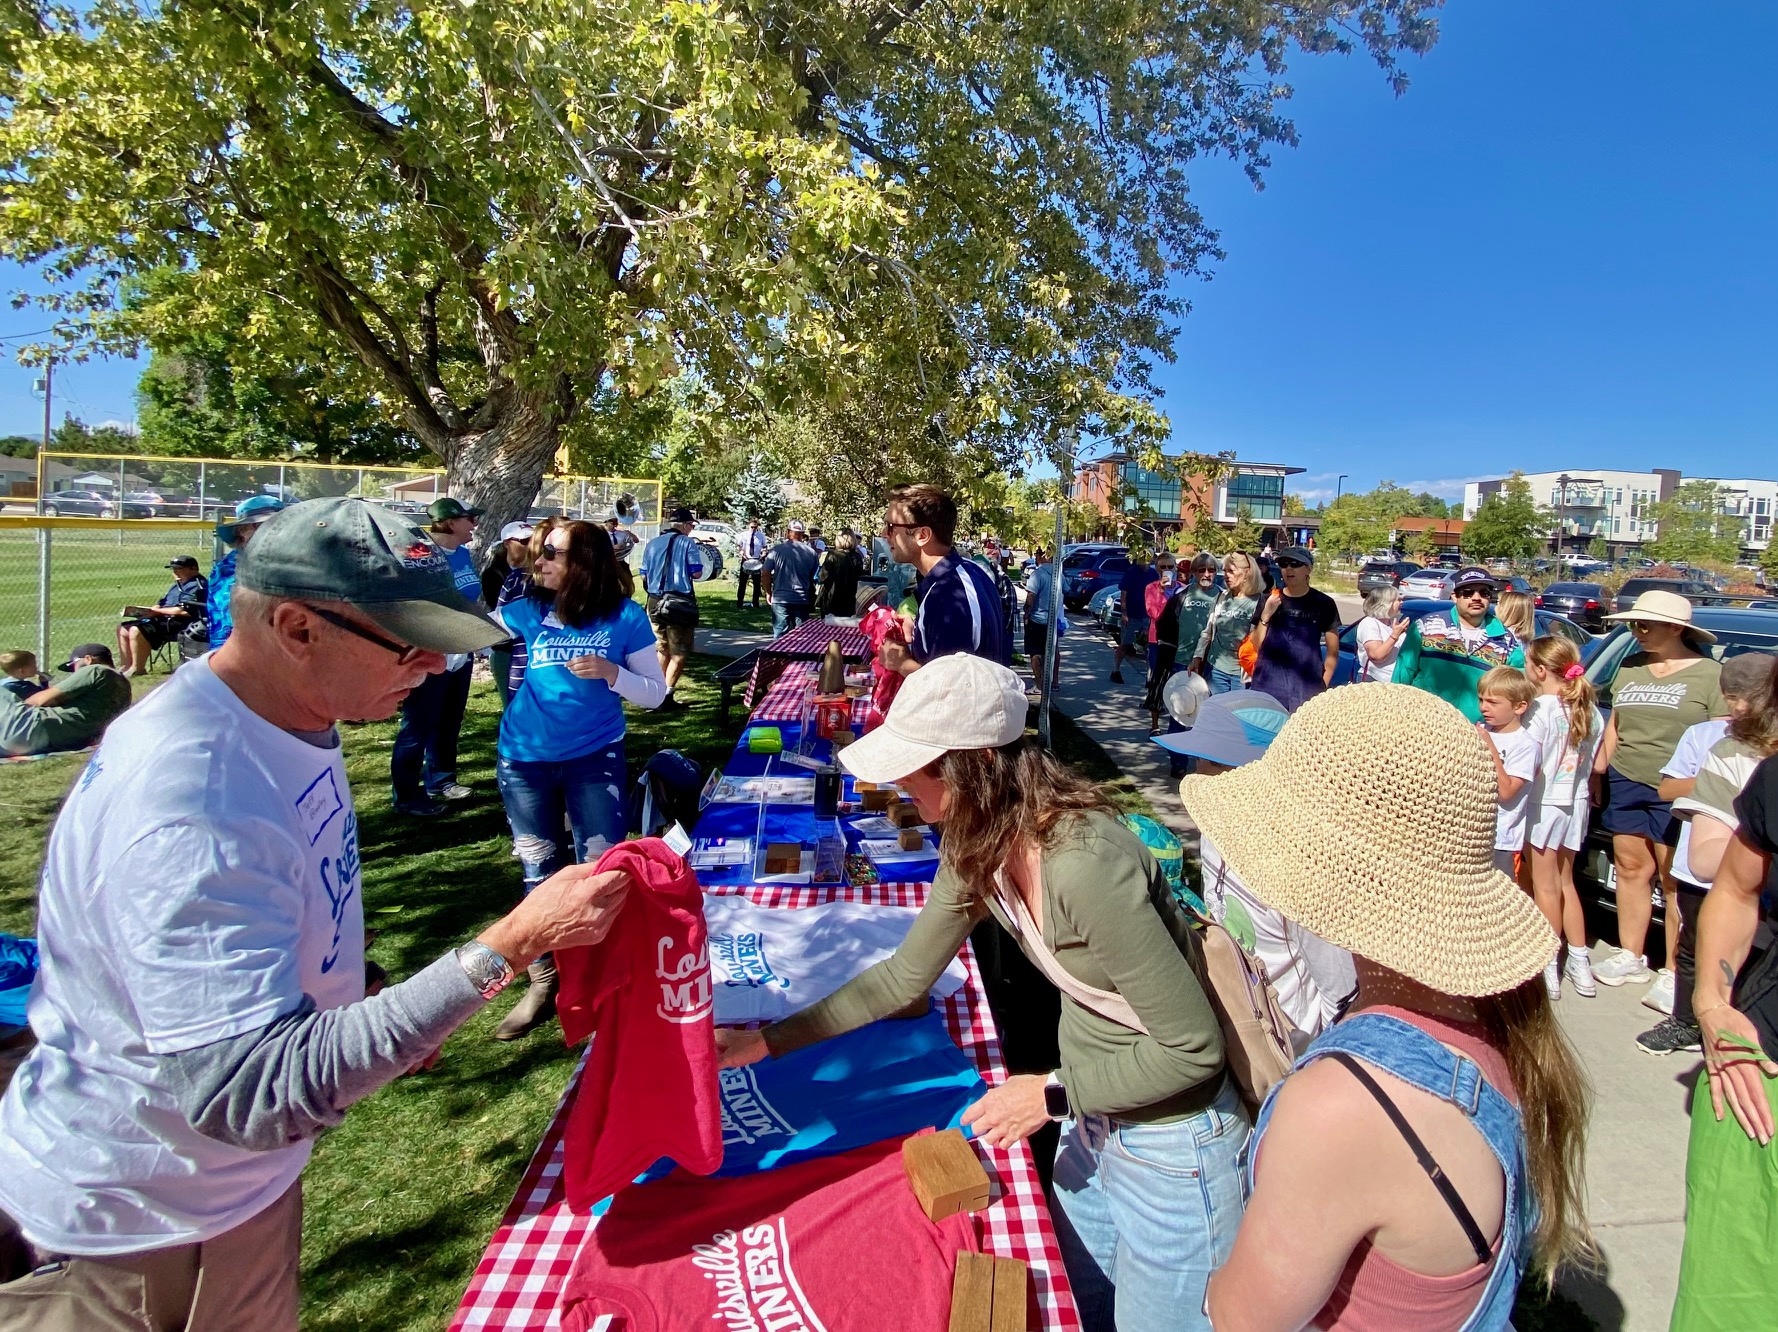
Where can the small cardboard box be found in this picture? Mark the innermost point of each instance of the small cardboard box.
(784, 857)
(912, 839)
(903, 814)
(946, 1175)
(988, 1294)
(874, 799)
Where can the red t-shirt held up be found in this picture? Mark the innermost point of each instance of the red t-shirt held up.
(649, 1087)
(835, 1244)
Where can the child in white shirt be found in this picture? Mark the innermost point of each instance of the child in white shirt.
(1505, 696)
(1566, 723)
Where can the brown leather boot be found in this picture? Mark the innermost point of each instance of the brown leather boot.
(537, 1007)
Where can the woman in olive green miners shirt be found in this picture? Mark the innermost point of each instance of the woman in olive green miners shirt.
(1146, 1182)
(1665, 686)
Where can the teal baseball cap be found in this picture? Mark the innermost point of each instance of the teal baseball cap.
(377, 562)
(253, 510)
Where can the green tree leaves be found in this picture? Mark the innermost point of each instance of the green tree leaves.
(1508, 524)
(1693, 528)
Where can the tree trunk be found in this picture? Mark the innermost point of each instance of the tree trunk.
(499, 467)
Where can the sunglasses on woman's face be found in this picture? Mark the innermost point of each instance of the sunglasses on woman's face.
(550, 552)
(1292, 564)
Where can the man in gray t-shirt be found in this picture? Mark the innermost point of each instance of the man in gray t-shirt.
(70, 714)
(790, 578)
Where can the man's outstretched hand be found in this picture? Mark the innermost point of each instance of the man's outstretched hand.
(575, 906)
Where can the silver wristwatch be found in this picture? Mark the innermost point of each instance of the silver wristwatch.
(487, 970)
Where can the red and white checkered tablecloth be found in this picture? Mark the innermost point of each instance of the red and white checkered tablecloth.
(783, 702)
(520, 1277)
(813, 636)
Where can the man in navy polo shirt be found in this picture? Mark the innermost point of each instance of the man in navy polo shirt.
(423, 765)
(959, 607)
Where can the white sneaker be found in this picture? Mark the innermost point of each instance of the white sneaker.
(1623, 968)
(1552, 980)
(1580, 973)
(1660, 994)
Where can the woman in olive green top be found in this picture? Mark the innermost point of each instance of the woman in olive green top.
(1146, 1184)
(1231, 619)
(1665, 686)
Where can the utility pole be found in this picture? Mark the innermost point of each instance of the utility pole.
(49, 373)
(1064, 459)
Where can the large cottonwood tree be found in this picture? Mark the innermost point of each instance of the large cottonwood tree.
(497, 213)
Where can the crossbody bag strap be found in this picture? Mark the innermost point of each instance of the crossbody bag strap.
(1434, 1171)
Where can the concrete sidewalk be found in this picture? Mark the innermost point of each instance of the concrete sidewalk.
(1636, 1140)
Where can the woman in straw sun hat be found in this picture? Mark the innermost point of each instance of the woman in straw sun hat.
(1142, 1095)
(1663, 687)
(1370, 820)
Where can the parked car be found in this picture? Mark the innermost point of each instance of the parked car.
(1582, 565)
(1106, 610)
(1515, 583)
(89, 504)
(1373, 574)
(1738, 629)
(1087, 570)
(1694, 590)
(1584, 603)
(1418, 608)
(1437, 584)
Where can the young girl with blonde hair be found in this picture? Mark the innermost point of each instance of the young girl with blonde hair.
(1566, 724)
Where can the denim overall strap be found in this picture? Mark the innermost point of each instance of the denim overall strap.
(1406, 1052)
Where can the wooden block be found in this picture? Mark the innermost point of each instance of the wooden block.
(972, 1293)
(784, 857)
(875, 799)
(1009, 1296)
(903, 815)
(860, 785)
(912, 839)
(946, 1175)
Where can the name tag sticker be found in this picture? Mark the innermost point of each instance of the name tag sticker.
(317, 806)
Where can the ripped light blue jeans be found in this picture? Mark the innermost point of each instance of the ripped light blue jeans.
(542, 799)
(1146, 1212)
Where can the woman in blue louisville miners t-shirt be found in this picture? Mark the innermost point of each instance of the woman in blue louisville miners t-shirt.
(588, 648)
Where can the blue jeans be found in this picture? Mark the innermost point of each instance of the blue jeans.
(1221, 682)
(425, 757)
(786, 617)
(1146, 1212)
(585, 793)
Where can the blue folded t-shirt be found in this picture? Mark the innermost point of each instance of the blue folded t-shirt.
(889, 1079)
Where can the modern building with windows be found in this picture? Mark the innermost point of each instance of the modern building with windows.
(1617, 506)
(1165, 503)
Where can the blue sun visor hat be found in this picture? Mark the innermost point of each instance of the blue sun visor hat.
(250, 511)
(1230, 729)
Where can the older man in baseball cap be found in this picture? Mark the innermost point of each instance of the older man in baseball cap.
(201, 1011)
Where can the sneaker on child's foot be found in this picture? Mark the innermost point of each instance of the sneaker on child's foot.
(1669, 1035)
(1579, 970)
(1552, 980)
(1660, 994)
(1623, 968)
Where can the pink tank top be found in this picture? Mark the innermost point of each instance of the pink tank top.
(1375, 1294)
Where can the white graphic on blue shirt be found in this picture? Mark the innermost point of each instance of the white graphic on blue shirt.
(743, 958)
(339, 878)
(747, 1116)
(559, 646)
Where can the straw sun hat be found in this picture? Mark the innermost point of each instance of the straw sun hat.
(1658, 607)
(1370, 820)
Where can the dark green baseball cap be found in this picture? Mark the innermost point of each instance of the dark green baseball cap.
(377, 562)
(443, 510)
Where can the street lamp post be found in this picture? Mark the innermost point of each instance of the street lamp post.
(1339, 484)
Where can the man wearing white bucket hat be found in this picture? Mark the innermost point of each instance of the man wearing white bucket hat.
(1667, 685)
(1142, 1093)
(1425, 1152)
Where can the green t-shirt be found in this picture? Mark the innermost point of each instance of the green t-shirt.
(1229, 623)
(1111, 921)
(1652, 712)
(91, 697)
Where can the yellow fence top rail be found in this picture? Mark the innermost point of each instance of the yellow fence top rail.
(31, 520)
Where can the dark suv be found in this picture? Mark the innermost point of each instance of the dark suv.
(89, 504)
(1584, 603)
(1090, 570)
(1373, 574)
(1693, 590)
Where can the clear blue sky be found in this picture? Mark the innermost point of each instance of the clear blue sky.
(1555, 250)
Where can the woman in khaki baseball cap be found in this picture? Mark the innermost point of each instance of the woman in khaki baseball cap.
(1141, 1093)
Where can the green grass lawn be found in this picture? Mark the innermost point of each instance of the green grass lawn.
(92, 576)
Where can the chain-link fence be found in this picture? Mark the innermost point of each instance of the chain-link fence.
(88, 550)
(64, 581)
